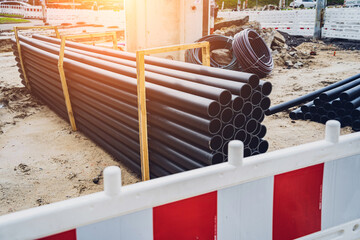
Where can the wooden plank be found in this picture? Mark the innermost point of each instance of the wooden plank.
(140, 67)
(21, 59)
(206, 55)
(141, 94)
(64, 84)
(92, 35)
(175, 48)
(115, 46)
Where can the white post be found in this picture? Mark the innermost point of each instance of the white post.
(332, 131)
(236, 152)
(112, 181)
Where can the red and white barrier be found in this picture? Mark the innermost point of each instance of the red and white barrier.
(338, 23)
(26, 12)
(286, 194)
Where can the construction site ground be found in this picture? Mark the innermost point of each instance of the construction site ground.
(42, 161)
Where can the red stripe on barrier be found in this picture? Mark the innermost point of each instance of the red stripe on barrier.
(68, 235)
(297, 202)
(192, 218)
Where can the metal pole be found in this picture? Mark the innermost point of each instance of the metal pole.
(320, 6)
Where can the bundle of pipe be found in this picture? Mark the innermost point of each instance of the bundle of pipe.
(189, 106)
(252, 53)
(341, 103)
(247, 121)
(216, 42)
(308, 97)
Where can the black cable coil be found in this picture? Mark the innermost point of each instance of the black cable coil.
(252, 53)
(216, 42)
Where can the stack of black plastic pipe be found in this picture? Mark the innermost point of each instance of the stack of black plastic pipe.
(193, 111)
(341, 103)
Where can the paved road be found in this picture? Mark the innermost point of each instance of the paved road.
(33, 22)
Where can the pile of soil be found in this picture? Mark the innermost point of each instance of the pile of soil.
(19, 102)
(5, 45)
(294, 41)
(343, 44)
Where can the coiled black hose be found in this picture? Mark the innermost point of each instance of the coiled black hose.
(216, 42)
(252, 53)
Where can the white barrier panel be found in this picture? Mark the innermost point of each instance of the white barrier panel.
(351, 3)
(346, 231)
(339, 22)
(294, 22)
(342, 23)
(56, 16)
(284, 194)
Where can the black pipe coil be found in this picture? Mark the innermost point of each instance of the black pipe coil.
(216, 42)
(252, 53)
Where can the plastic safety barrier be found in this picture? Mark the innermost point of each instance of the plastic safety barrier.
(285, 194)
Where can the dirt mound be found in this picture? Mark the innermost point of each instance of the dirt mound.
(5, 45)
(17, 103)
(17, 99)
(294, 41)
(344, 44)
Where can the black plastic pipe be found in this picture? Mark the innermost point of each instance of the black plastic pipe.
(221, 95)
(351, 105)
(265, 103)
(236, 103)
(255, 98)
(356, 125)
(214, 141)
(247, 108)
(356, 112)
(257, 113)
(211, 126)
(350, 93)
(152, 73)
(251, 125)
(262, 133)
(239, 120)
(265, 87)
(318, 102)
(308, 97)
(335, 92)
(263, 146)
(337, 103)
(240, 135)
(228, 131)
(86, 119)
(193, 103)
(293, 114)
(252, 79)
(254, 142)
(226, 115)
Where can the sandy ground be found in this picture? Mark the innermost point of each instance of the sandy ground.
(42, 161)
